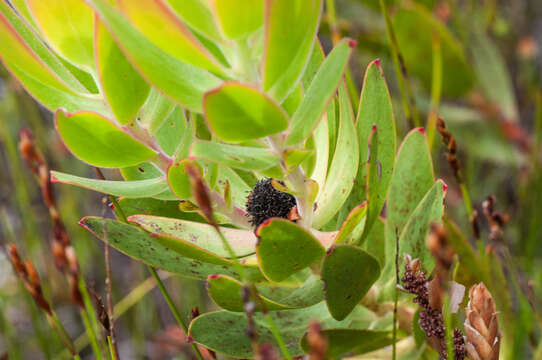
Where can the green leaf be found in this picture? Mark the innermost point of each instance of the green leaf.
(429, 210)
(178, 180)
(202, 235)
(29, 37)
(174, 132)
(294, 157)
(22, 61)
(146, 171)
(353, 220)
(156, 110)
(159, 24)
(181, 81)
(239, 18)
(287, 48)
(315, 61)
(375, 109)
(308, 294)
(291, 103)
(236, 112)
(198, 15)
(284, 248)
(358, 341)
(141, 246)
(411, 179)
(239, 157)
(68, 27)
(414, 27)
(226, 292)
(348, 273)
(343, 168)
(95, 140)
(121, 85)
(129, 189)
(319, 93)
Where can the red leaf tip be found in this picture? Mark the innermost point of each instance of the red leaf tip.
(377, 62)
(421, 130)
(213, 277)
(352, 43)
(54, 179)
(444, 186)
(153, 235)
(190, 340)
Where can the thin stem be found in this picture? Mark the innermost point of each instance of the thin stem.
(277, 336)
(91, 335)
(466, 199)
(62, 333)
(173, 309)
(436, 88)
(407, 98)
(112, 349)
(396, 295)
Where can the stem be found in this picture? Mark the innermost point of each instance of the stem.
(91, 335)
(466, 198)
(277, 336)
(436, 88)
(409, 104)
(62, 333)
(396, 296)
(112, 349)
(173, 309)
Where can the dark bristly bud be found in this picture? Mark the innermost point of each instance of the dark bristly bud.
(481, 326)
(459, 345)
(103, 317)
(194, 313)
(265, 201)
(317, 342)
(496, 219)
(451, 149)
(200, 193)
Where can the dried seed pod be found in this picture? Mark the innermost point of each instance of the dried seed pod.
(481, 326)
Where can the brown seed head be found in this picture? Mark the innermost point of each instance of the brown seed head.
(200, 193)
(481, 326)
(317, 342)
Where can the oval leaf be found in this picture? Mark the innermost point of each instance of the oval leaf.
(226, 292)
(284, 248)
(348, 273)
(122, 86)
(236, 113)
(239, 18)
(93, 139)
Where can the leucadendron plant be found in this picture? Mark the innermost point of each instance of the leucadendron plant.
(237, 95)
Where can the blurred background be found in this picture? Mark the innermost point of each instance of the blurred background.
(475, 63)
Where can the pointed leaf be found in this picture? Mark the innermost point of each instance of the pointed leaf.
(122, 86)
(411, 179)
(319, 93)
(156, 207)
(158, 23)
(375, 109)
(181, 81)
(68, 27)
(239, 18)
(174, 132)
(343, 168)
(93, 139)
(284, 248)
(348, 273)
(178, 180)
(239, 157)
(238, 187)
(287, 48)
(294, 157)
(129, 189)
(141, 246)
(237, 112)
(205, 236)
